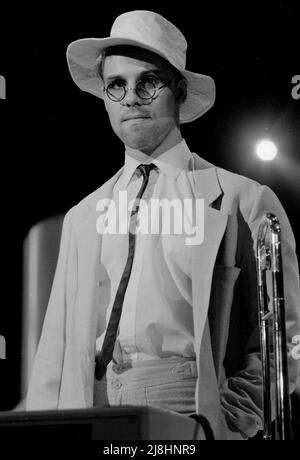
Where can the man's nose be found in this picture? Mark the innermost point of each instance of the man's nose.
(131, 97)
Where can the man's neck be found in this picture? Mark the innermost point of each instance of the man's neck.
(168, 143)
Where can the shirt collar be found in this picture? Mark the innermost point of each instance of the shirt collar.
(171, 162)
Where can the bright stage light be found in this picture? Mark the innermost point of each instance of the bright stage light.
(266, 150)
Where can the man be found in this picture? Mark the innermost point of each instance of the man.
(188, 338)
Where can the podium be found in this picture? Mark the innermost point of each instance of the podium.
(112, 423)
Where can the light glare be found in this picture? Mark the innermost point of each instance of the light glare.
(266, 150)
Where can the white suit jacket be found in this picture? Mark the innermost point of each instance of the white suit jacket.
(227, 347)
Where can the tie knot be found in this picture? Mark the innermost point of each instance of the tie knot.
(145, 169)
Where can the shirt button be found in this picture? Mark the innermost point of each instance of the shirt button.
(117, 384)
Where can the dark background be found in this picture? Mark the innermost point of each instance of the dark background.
(57, 145)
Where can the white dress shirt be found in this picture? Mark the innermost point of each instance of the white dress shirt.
(157, 317)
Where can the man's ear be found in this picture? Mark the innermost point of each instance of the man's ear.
(104, 98)
(181, 91)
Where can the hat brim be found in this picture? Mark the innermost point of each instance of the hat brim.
(84, 56)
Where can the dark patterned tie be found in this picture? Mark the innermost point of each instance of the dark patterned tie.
(106, 354)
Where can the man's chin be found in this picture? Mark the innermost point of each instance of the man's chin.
(139, 142)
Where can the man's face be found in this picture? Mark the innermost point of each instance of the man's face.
(141, 125)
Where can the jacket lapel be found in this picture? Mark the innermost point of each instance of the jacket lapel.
(90, 270)
(204, 257)
(208, 189)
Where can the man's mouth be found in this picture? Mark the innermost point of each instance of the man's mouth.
(136, 117)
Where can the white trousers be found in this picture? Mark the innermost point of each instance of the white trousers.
(168, 383)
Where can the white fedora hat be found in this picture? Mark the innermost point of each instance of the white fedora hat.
(153, 32)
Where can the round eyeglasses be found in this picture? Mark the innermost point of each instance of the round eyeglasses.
(146, 89)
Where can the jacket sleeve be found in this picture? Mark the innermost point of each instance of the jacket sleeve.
(241, 394)
(44, 385)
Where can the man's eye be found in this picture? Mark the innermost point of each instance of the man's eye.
(116, 84)
(150, 81)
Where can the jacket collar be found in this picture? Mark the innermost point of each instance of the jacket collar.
(206, 180)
